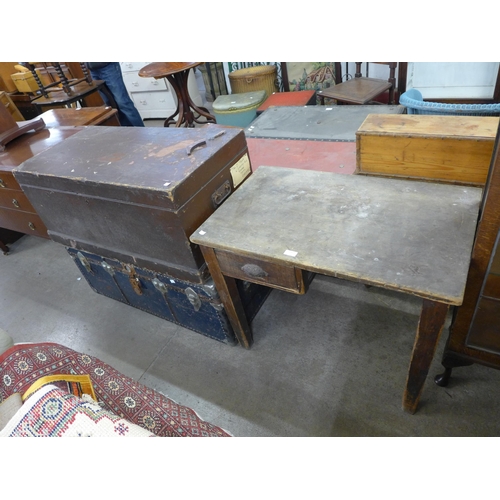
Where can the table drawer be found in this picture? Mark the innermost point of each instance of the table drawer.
(22, 222)
(15, 200)
(258, 271)
(7, 181)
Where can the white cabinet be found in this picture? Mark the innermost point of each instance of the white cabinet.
(154, 98)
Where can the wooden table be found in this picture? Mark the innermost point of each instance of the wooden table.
(177, 74)
(409, 236)
(359, 90)
(79, 117)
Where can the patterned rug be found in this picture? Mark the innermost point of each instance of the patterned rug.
(22, 364)
(52, 412)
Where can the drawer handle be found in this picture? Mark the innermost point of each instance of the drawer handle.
(2, 185)
(15, 203)
(254, 271)
(31, 226)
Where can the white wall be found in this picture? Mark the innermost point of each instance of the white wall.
(467, 80)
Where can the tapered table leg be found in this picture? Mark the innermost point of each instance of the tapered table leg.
(430, 326)
(230, 297)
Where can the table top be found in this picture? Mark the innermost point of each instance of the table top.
(30, 144)
(76, 117)
(163, 69)
(409, 236)
(323, 123)
(357, 90)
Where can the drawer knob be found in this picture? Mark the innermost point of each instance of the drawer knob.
(15, 203)
(254, 271)
(31, 226)
(2, 185)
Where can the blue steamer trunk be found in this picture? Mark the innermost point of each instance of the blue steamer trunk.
(191, 305)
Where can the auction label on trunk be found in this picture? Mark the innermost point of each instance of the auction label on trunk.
(240, 170)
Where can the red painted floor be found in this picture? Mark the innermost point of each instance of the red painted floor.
(326, 156)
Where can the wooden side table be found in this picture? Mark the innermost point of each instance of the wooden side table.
(177, 74)
(408, 236)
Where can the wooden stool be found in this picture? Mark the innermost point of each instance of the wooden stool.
(177, 74)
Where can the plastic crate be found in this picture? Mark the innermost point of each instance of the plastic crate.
(413, 101)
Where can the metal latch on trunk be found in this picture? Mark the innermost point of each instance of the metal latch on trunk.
(210, 289)
(85, 263)
(193, 298)
(161, 287)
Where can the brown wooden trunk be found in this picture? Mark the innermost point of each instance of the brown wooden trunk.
(136, 194)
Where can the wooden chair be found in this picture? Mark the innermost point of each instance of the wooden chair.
(61, 90)
(362, 89)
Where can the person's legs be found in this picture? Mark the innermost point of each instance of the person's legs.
(127, 112)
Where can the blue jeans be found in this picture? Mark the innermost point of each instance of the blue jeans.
(127, 112)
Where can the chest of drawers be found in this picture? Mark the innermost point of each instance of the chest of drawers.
(474, 335)
(16, 212)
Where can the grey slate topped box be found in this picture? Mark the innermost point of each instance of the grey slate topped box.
(317, 123)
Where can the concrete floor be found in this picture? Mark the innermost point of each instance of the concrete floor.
(330, 363)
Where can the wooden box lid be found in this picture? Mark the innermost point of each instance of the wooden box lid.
(436, 126)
